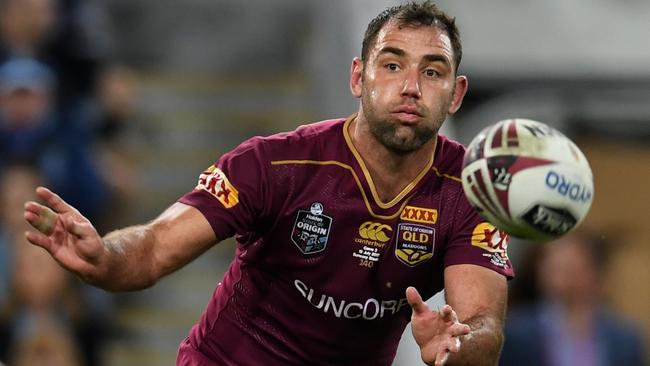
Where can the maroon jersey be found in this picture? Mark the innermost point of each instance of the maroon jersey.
(322, 264)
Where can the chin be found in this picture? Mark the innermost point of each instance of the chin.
(403, 147)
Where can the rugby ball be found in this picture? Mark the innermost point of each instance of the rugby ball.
(527, 179)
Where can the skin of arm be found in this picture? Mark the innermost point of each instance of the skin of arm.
(129, 259)
(138, 256)
(478, 295)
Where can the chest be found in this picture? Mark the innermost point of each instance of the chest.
(338, 240)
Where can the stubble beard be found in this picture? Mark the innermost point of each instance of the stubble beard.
(385, 129)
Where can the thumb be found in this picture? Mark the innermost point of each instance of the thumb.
(415, 301)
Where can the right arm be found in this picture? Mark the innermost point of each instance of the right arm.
(128, 259)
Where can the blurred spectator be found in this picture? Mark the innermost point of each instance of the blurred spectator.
(70, 38)
(31, 129)
(25, 26)
(16, 184)
(569, 324)
(27, 121)
(46, 300)
(42, 296)
(47, 308)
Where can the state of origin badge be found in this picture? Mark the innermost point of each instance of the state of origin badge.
(311, 229)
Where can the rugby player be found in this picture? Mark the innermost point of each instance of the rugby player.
(342, 226)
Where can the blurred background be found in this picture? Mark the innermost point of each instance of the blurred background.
(119, 105)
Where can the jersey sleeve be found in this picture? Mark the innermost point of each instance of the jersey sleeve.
(475, 241)
(231, 193)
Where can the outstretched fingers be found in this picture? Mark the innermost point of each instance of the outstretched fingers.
(53, 200)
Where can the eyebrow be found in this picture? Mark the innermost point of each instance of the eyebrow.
(400, 52)
(437, 58)
(394, 50)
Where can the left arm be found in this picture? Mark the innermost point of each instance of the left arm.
(469, 330)
(478, 295)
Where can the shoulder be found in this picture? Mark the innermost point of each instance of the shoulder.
(448, 161)
(302, 142)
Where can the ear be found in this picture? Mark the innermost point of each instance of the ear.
(356, 77)
(459, 93)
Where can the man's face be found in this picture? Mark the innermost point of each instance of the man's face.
(408, 85)
(28, 21)
(23, 108)
(568, 272)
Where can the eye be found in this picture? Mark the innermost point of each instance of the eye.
(431, 72)
(392, 66)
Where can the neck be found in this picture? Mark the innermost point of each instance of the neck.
(390, 172)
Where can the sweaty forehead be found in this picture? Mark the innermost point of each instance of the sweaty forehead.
(413, 39)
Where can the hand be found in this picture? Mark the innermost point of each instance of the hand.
(67, 235)
(436, 332)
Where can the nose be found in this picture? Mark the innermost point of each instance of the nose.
(411, 86)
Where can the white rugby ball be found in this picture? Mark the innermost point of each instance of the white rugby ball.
(528, 179)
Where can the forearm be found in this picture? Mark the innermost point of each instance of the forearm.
(482, 346)
(138, 256)
(127, 261)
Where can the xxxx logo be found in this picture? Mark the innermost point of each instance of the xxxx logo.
(419, 214)
(375, 231)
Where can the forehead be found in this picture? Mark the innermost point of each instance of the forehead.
(413, 39)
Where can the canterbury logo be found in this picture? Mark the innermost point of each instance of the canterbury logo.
(374, 231)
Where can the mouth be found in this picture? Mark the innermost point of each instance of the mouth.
(407, 114)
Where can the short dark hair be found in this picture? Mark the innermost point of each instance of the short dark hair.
(416, 15)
